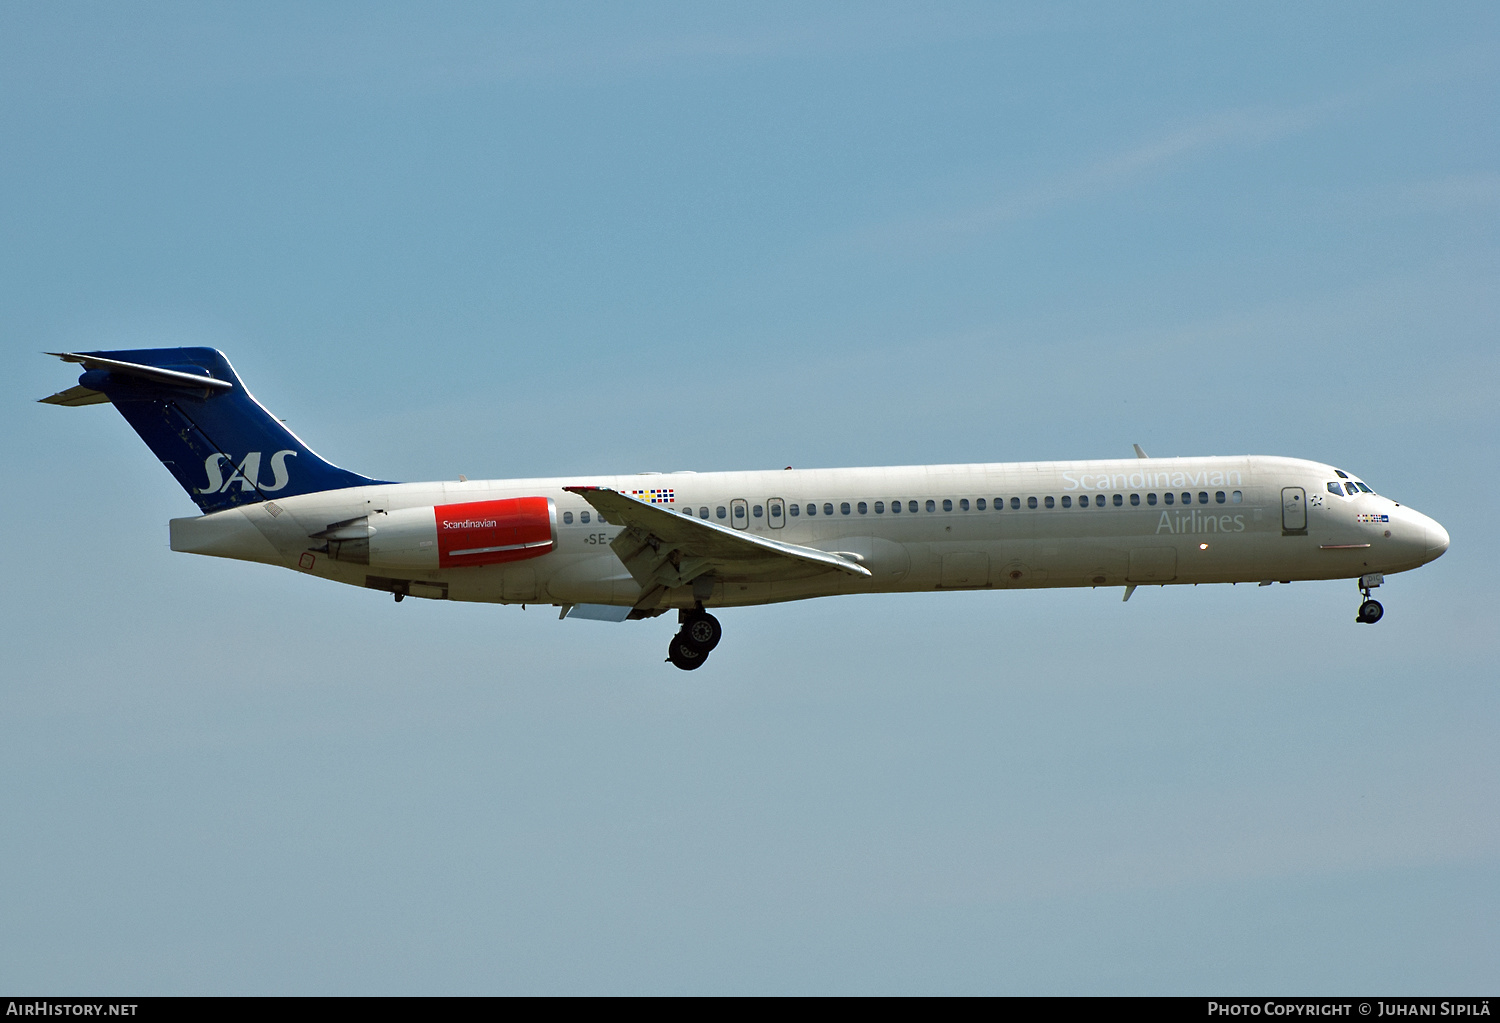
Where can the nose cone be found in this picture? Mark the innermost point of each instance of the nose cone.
(1437, 540)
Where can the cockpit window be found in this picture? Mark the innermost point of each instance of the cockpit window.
(1341, 474)
(1351, 488)
(1334, 488)
(1364, 488)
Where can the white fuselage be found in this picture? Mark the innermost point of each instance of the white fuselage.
(1001, 525)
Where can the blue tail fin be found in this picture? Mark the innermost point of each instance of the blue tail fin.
(191, 409)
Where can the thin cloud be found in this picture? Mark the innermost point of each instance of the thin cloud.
(215, 49)
(1462, 193)
(1239, 128)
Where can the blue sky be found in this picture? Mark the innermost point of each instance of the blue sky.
(538, 240)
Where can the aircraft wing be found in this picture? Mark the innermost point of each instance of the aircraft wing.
(661, 548)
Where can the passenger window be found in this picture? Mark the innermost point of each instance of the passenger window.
(1218, 497)
(1048, 501)
(583, 517)
(1119, 500)
(1135, 499)
(1031, 502)
(1067, 501)
(795, 509)
(1015, 503)
(862, 508)
(963, 504)
(567, 518)
(812, 509)
(895, 507)
(1187, 498)
(979, 504)
(1203, 497)
(1083, 501)
(1236, 497)
(844, 508)
(1167, 498)
(911, 506)
(1151, 499)
(739, 511)
(1361, 486)
(719, 511)
(827, 507)
(703, 512)
(947, 504)
(879, 507)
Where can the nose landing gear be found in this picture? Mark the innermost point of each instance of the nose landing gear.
(699, 633)
(1370, 611)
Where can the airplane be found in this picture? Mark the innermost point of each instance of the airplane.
(612, 548)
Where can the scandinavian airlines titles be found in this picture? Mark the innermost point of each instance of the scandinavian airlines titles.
(1177, 478)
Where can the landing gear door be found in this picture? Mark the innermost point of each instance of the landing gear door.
(1293, 510)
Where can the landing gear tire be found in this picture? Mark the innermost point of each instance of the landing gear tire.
(701, 630)
(1370, 612)
(683, 654)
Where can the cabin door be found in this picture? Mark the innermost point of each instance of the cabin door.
(1293, 510)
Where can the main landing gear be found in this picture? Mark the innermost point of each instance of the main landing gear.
(1370, 611)
(696, 637)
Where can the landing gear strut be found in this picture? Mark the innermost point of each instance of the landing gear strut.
(699, 633)
(1370, 611)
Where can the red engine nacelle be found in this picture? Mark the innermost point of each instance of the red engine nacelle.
(491, 532)
(445, 536)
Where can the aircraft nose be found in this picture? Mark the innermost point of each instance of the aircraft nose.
(1437, 540)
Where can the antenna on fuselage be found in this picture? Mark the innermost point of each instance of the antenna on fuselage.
(1138, 452)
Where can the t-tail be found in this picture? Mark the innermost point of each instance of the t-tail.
(194, 413)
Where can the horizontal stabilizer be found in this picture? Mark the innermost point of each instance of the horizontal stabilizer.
(74, 396)
(155, 374)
